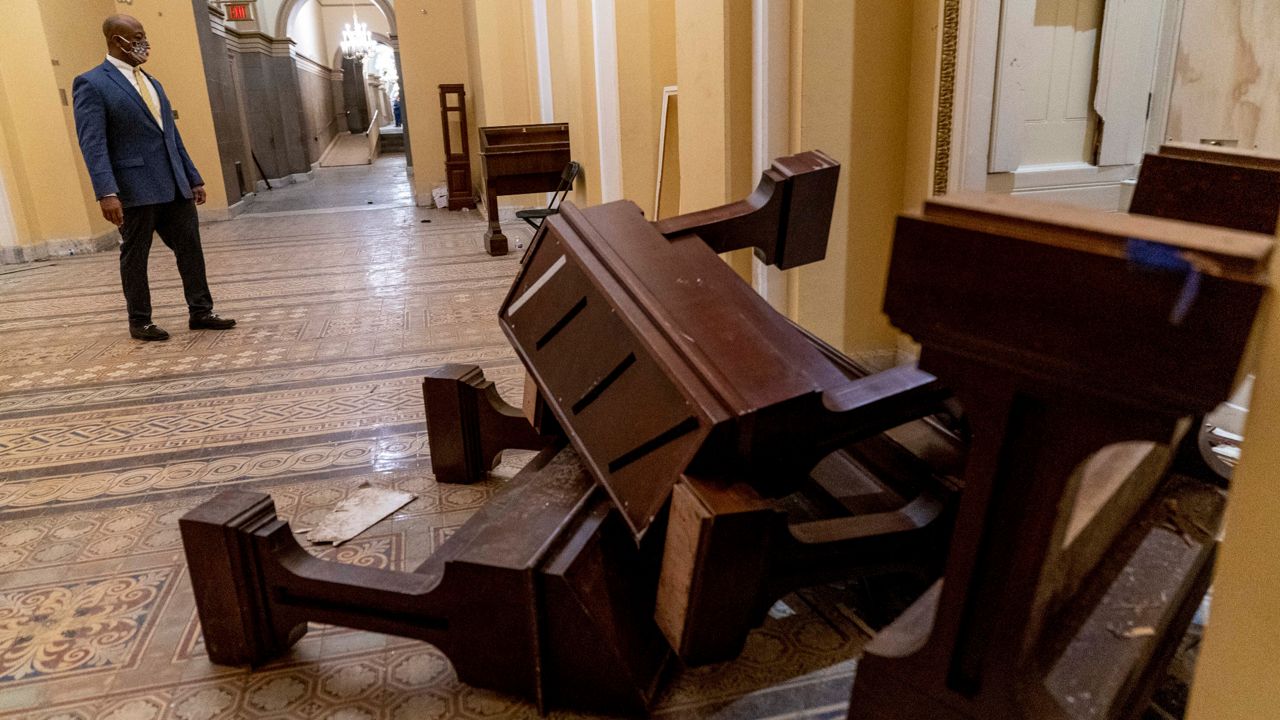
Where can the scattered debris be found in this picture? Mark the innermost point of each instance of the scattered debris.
(359, 512)
(1140, 631)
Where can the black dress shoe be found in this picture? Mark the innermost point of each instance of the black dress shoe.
(147, 332)
(209, 321)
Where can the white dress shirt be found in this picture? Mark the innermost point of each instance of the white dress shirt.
(127, 70)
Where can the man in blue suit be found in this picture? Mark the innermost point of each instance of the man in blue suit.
(142, 176)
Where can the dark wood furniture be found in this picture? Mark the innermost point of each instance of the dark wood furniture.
(1066, 589)
(542, 594)
(519, 159)
(1215, 186)
(670, 375)
(457, 153)
(551, 591)
(1210, 185)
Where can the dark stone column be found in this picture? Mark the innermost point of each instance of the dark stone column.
(222, 99)
(274, 110)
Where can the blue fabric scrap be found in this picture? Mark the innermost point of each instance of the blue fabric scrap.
(1158, 256)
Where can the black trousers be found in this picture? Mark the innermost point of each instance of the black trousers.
(178, 226)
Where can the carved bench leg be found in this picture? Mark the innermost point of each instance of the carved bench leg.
(469, 424)
(240, 627)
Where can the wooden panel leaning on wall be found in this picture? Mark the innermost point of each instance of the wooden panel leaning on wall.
(1062, 331)
(547, 592)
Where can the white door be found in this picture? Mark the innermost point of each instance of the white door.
(1073, 87)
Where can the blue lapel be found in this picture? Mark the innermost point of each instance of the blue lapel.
(128, 89)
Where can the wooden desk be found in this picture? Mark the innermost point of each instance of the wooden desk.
(519, 159)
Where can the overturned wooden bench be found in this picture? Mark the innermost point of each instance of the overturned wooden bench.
(1064, 333)
(658, 373)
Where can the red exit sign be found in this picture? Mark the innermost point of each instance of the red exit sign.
(239, 11)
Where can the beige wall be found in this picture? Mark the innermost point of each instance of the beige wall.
(44, 170)
(713, 69)
(308, 34)
(333, 17)
(1237, 671)
(1227, 86)
(504, 74)
(864, 89)
(646, 64)
(433, 50)
(823, 56)
(573, 87)
(176, 62)
(508, 73)
(1227, 77)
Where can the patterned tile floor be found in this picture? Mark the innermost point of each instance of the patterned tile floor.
(345, 292)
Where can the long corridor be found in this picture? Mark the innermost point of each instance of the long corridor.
(344, 292)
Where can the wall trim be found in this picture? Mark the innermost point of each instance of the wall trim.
(314, 67)
(236, 209)
(604, 31)
(771, 117)
(542, 47)
(290, 8)
(62, 247)
(946, 96)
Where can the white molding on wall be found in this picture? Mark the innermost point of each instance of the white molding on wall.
(977, 47)
(771, 116)
(608, 105)
(542, 47)
(8, 228)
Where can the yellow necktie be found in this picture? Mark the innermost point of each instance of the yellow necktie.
(143, 90)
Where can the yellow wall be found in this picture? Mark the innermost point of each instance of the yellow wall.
(1237, 672)
(15, 230)
(506, 47)
(823, 47)
(646, 64)
(713, 68)
(77, 45)
(573, 88)
(433, 51)
(176, 62)
(504, 73)
(864, 89)
(43, 162)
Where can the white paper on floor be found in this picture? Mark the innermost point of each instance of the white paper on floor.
(359, 512)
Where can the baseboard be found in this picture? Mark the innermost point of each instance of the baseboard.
(228, 213)
(292, 179)
(59, 248)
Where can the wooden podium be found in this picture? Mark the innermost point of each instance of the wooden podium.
(519, 159)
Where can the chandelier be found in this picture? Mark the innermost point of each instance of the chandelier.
(357, 41)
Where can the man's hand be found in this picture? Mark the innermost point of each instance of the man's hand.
(112, 210)
(198, 192)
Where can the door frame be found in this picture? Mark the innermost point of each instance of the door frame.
(970, 46)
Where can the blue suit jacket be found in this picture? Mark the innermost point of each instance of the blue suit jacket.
(126, 152)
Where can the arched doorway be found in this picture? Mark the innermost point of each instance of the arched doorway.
(289, 11)
(352, 96)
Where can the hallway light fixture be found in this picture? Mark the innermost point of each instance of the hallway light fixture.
(357, 41)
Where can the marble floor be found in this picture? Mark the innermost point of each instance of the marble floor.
(345, 292)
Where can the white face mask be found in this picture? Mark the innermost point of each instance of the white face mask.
(139, 50)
